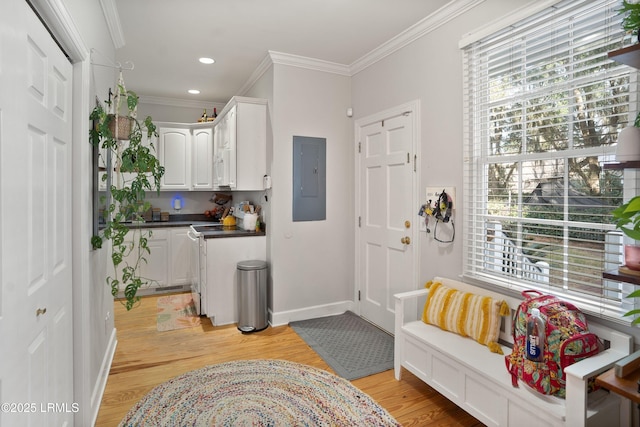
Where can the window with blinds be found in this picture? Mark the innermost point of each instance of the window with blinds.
(543, 109)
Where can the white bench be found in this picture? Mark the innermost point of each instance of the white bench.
(477, 380)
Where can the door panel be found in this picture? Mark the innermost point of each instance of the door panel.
(36, 364)
(385, 200)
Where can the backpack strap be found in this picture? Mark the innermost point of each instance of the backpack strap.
(512, 370)
(527, 294)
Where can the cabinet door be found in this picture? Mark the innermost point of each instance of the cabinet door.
(225, 151)
(218, 164)
(180, 257)
(251, 145)
(156, 267)
(174, 154)
(202, 160)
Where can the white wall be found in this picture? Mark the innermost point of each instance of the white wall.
(94, 332)
(312, 260)
(430, 69)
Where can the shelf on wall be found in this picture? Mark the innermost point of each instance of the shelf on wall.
(622, 165)
(621, 277)
(629, 55)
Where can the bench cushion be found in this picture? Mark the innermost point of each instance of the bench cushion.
(465, 313)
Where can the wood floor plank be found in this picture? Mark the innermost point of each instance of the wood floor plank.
(145, 358)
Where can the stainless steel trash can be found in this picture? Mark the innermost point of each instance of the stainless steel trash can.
(252, 296)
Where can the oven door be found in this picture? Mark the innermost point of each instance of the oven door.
(197, 249)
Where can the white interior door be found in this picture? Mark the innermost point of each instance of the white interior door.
(36, 366)
(385, 199)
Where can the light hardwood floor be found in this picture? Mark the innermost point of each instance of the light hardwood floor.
(145, 358)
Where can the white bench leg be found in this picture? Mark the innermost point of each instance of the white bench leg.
(576, 402)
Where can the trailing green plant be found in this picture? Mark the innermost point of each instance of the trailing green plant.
(631, 21)
(627, 219)
(125, 201)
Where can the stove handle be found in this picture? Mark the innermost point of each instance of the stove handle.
(191, 234)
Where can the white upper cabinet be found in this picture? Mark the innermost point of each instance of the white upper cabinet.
(174, 153)
(240, 144)
(224, 153)
(202, 159)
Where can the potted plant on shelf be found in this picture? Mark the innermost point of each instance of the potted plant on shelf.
(627, 220)
(121, 136)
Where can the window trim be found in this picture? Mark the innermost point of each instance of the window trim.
(474, 162)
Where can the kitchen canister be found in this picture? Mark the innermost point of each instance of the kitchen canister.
(249, 221)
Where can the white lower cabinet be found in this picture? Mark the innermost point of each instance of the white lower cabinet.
(223, 255)
(169, 261)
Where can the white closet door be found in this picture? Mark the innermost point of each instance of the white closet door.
(36, 366)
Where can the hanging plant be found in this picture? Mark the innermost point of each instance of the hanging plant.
(121, 136)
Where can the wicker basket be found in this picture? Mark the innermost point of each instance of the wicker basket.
(124, 127)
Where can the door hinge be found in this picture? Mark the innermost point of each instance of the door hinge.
(359, 221)
(383, 123)
(359, 147)
(408, 158)
(358, 295)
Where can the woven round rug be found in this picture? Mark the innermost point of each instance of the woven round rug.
(257, 393)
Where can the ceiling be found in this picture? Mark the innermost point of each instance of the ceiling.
(165, 38)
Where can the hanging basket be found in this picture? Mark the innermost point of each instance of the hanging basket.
(124, 127)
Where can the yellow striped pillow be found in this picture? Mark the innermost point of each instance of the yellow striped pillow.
(466, 314)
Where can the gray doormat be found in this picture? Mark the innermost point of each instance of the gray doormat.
(353, 347)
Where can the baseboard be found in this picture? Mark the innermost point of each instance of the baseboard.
(284, 317)
(101, 383)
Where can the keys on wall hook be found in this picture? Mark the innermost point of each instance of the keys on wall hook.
(426, 211)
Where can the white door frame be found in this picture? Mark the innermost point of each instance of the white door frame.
(413, 107)
(87, 394)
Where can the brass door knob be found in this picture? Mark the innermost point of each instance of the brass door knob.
(41, 311)
(405, 240)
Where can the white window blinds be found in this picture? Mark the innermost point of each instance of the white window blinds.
(543, 108)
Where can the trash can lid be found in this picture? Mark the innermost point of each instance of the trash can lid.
(252, 264)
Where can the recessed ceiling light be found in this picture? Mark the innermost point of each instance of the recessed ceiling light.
(194, 91)
(206, 60)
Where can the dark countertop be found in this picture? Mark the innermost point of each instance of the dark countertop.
(166, 224)
(186, 220)
(231, 232)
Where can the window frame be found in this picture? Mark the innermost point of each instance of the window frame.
(476, 197)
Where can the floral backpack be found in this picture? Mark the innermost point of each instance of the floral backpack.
(567, 340)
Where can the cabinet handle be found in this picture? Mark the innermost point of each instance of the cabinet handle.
(40, 311)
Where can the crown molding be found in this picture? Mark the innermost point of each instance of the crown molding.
(309, 63)
(273, 57)
(112, 18)
(440, 17)
(262, 68)
(443, 15)
(175, 102)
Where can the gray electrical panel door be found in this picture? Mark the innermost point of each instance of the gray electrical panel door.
(309, 178)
